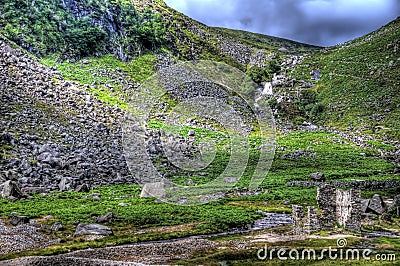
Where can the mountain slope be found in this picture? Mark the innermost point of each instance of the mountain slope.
(75, 29)
(54, 135)
(360, 82)
(190, 39)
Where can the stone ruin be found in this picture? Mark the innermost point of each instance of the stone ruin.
(305, 223)
(335, 206)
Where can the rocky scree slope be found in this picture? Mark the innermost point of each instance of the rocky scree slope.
(53, 134)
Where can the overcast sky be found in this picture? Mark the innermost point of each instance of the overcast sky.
(319, 22)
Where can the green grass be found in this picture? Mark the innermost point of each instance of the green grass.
(360, 83)
(139, 69)
(107, 77)
(248, 256)
(70, 207)
(339, 162)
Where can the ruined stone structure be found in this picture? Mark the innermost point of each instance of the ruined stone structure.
(305, 223)
(348, 209)
(326, 198)
(337, 207)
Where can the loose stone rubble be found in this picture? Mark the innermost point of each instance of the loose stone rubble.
(55, 135)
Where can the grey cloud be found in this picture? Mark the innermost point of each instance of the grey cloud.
(319, 22)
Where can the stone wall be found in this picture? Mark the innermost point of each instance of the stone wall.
(326, 199)
(305, 223)
(337, 207)
(348, 211)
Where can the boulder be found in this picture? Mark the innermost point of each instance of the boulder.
(230, 180)
(150, 190)
(190, 182)
(364, 205)
(106, 218)
(6, 138)
(320, 177)
(57, 226)
(393, 209)
(93, 229)
(2, 178)
(83, 188)
(11, 190)
(377, 205)
(49, 158)
(16, 219)
(65, 184)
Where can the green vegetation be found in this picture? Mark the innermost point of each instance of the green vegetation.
(106, 76)
(267, 42)
(337, 161)
(70, 207)
(46, 27)
(261, 74)
(304, 107)
(359, 87)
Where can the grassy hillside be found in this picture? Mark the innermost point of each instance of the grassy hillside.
(360, 82)
(190, 39)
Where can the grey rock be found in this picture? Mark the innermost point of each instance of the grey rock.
(83, 188)
(320, 177)
(10, 175)
(65, 184)
(10, 189)
(190, 182)
(230, 179)
(106, 218)
(16, 219)
(49, 158)
(364, 205)
(393, 208)
(93, 229)
(57, 226)
(6, 138)
(2, 177)
(377, 205)
(95, 196)
(153, 190)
